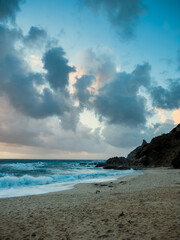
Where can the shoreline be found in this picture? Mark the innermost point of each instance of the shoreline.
(60, 186)
(142, 206)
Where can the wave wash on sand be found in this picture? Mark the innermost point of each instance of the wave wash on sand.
(31, 178)
(134, 207)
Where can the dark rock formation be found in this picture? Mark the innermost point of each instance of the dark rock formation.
(117, 160)
(132, 154)
(162, 151)
(116, 166)
(118, 163)
(100, 164)
(122, 163)
(176, 161)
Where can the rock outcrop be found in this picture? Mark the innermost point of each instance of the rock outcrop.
(118, 163)
(117, 160)
(162, 151)
(137, 150)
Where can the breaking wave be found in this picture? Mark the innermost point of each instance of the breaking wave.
(7, 182)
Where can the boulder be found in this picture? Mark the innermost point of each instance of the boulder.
(111, 166)
(100, 164)
(117, 161)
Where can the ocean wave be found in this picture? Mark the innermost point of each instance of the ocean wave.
(7, 182)
(24, 166)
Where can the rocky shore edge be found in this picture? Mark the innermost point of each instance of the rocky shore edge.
(162, 151)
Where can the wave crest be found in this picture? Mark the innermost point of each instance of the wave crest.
(7, 182)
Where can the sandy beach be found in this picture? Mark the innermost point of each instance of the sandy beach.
(134, 207)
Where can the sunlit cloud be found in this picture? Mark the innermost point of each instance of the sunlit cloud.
(161, 114)
(176, 116)
(72, 78)
(118, 69)
(36, 61)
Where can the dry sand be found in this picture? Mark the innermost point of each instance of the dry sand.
(135, 207)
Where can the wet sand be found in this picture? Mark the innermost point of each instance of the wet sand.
(134, 207)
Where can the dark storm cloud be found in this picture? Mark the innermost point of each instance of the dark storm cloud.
(7, 39)
(35, 36)
(8, 9)
(81, 91)
(117, 108)
(118, 101)
(18, 83)
(167, 98)
(57, 68)
(122, 14)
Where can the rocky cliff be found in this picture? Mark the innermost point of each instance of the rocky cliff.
(133, 154)
(162, 151)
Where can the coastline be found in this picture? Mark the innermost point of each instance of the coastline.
(31, 185)
(132, 207)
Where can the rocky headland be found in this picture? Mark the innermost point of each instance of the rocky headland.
(162, 151)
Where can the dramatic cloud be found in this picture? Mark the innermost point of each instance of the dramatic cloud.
(57, 68)
(121, 14)
(167, 98)
(7, 40)
(20, 130)
(21, 85)
(35, 37)
(101, 65)
(81, 90)
(119, 102)
(8, 9)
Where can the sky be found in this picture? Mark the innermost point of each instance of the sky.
(87, 79)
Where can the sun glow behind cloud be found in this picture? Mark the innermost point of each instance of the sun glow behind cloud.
(89, 119)
(36, 62)
(161, 114)
(176, 116)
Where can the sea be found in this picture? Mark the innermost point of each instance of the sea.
(32, 177)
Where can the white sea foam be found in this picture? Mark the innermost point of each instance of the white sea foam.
(24, 166)
(26, 180)
(11, 186)
(55, 187)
